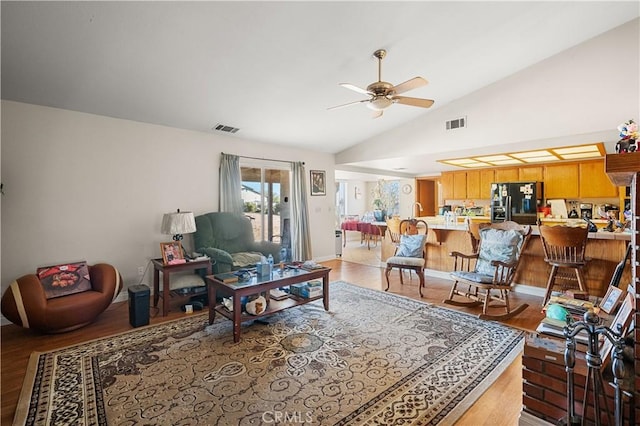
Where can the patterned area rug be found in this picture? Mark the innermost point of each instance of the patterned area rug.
(374, 358)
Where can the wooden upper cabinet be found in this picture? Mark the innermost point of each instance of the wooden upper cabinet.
(594, 182)
(459, 185)
(507, 175)
(531, 174)
(473, 184)
(446, 179)
(487, 177)
(561, 181)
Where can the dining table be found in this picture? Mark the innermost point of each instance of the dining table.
(369, 231)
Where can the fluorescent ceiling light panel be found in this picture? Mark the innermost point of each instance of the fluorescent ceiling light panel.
(576, 149)
(460, 162)
(546, 155)
(581, 155)
(492, 158)
(540, 159)
(507, 161)
(531, 154)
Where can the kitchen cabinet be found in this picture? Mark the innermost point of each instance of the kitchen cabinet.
(459, 185)
(561, 181)
(446, 179)
(487, 177)
(509, 174)
(594, 182)
(531, 174)
(473, 184)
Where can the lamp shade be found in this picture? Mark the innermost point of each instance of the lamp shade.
(178, 223)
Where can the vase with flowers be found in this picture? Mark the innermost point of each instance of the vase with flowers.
(628, 136)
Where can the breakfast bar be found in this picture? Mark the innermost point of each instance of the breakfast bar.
(605, 249)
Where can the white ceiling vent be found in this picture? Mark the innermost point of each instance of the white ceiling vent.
(224, 128)
(457, 123)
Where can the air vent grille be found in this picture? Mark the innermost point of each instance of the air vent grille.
(457, 123)
(225, 128)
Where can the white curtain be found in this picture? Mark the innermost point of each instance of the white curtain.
(300, 236)
(230, 184)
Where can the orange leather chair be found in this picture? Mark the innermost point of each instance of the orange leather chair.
(24, 302)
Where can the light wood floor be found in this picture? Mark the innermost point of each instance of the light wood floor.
(500, 405)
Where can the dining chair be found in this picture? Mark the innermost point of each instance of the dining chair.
(410, 235)
(564, 248)
(486, 277)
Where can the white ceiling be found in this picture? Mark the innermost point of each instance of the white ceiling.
(273, 68)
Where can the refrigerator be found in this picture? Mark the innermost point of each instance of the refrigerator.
(516, 201)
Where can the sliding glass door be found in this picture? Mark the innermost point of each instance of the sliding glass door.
(266, 187)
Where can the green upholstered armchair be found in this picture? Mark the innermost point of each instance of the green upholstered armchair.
(228, 239)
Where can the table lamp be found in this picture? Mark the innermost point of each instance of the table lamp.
(178, 223)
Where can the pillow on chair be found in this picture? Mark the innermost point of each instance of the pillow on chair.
(411, 245)
(497, 244)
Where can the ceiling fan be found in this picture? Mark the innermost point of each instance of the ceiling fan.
(383, 94)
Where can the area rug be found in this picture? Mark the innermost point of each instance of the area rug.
(374, 358)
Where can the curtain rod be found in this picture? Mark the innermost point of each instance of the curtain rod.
(266, 159)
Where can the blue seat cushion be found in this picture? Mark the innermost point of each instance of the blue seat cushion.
(472, 276)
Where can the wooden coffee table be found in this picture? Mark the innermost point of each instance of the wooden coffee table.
(257, 285)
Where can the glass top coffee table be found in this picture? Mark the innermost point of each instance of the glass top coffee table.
(258, 285)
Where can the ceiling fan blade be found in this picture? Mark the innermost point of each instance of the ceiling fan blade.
(355, 88)
(376, 114)
(414, 83)
(349, 104)
(423, 103)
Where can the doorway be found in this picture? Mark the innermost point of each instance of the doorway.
(427, 194)
(266, 200)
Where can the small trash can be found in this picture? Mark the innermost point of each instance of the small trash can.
(139, 305)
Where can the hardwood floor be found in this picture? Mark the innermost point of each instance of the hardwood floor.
(499, 406)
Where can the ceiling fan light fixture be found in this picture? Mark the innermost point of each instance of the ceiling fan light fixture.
(379, 103)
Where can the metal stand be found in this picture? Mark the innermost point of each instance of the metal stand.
(594, 373)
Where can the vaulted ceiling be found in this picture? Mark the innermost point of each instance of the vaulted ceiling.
(272, 69)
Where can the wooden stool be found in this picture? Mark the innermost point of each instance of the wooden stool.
(564, 247)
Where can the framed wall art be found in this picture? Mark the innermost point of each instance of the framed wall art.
(318, 182)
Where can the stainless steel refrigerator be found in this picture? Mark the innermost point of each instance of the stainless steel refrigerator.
(516, 201)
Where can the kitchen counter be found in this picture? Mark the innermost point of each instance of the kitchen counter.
(605, 249)
(438, 223)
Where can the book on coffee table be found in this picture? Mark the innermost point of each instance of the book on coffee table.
(226, 277)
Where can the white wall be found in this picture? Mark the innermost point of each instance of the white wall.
(85, 187)
(356, 206)
(578, 96)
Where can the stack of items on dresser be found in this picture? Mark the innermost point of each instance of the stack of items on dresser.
(614, 311)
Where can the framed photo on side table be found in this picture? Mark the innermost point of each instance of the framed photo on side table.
(318, 182)
(172, 253)
(611, 299)
(623, 320)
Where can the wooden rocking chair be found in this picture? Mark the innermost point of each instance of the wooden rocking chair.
(487, 275)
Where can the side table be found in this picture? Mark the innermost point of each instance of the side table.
(159, 266)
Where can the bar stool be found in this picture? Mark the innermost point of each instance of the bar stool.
(564, 247)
